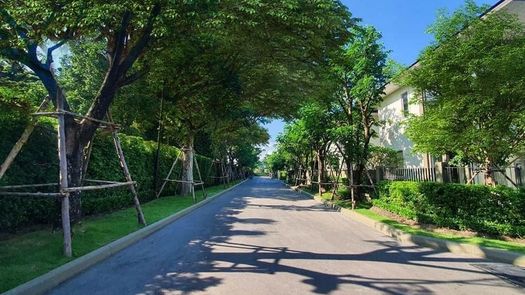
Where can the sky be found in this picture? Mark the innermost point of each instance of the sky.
(403, 24)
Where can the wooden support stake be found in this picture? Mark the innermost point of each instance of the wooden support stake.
(66, 225)
(26, 194)
(473, 176)
(28, 185)
(127, 175)
(193, 193)
(371, 181)
(204, 195)
(507, 177)
(168, 176)
(352, 188)
(226, 180)
(98, 187)
(21, 142)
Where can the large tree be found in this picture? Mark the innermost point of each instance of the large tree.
(362, 73)
(250, 59)
(31, 31)
(472, 86)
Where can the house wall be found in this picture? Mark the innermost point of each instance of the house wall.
(391, 133)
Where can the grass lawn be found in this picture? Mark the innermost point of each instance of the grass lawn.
(481, 241)
(29, 255)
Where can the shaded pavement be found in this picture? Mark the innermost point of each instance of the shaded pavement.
(262, 238)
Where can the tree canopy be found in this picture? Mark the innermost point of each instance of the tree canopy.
(473, 90)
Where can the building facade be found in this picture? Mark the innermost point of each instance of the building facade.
(400, 101)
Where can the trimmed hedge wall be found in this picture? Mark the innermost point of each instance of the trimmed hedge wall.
(495, 211)
(38, 163)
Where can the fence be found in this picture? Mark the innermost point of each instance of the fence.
(414, 174)
(506, 176)
(453, 174)
(440, 173)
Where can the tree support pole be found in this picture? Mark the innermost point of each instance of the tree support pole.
(127, 175)
(200, 178)
(352, 188)
(125, 170)
(193, 193)
(168, 176)
(22, 141)
(66, 225)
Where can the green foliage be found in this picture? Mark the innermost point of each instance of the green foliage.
(491, 210)
(475, 87)
(38, 163)
(362, 71)
(275, 161)
(384, 157)
(82, 72)
(448, 25)
(34, 164)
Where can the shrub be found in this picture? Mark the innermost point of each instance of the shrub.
(38, 163)
(496, 211)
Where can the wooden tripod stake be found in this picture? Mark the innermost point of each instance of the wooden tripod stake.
(193, 183)
(63, 184)
(224, 178)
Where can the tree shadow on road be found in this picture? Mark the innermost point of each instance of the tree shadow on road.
(215, 252)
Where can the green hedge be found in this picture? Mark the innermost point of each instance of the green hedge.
(37, 163)
(496, 211)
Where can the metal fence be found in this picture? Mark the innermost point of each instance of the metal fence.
(451, 174)
(413, 174)
(472, 174)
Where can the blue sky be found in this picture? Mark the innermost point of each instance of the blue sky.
(402, 23)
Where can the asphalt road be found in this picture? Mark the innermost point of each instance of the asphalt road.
(262, 238)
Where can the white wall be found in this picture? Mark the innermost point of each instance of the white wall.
(391, 133)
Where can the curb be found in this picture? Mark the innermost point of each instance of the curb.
(53, 278)
(493, 254)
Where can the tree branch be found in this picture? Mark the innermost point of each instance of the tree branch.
(49, 58)
(142, 42)
(129, 79)
(119, 40)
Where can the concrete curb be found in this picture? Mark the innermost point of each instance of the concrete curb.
(493, 254)
(46, 282)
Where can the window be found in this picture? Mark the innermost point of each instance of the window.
(404, 97)
(400, 159)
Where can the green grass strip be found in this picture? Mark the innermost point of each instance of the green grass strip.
(481, 241)
(30, 255)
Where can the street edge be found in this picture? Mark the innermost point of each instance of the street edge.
(53, 278)
(493, 254)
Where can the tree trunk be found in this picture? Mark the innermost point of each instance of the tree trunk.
(351, 183)
(187, 166)
(75, 155)
(320, 170)
(489, 173)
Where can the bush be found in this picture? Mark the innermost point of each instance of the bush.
(38, 163)
(496, 211)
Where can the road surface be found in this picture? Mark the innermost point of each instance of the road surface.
(262, 238)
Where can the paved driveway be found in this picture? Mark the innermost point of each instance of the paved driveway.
(262, 238)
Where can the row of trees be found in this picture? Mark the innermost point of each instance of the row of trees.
(198, 74)
(471, 84)
(341, 122)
